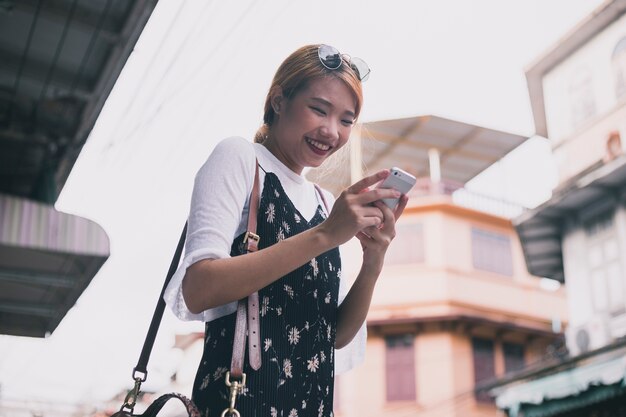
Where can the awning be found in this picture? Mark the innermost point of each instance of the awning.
(465, 149)
(540, 229)
(47, 259)
(60, 60)
(566, 390)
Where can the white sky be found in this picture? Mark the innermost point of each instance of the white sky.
(199, 73)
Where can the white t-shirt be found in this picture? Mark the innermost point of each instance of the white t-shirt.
(219, 213)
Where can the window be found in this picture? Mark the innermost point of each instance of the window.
(400, 367)
(618, 63)
(408, 245)
(605, 272)
(513, 357)
(484, 365)
(582, 100)
(492, 252)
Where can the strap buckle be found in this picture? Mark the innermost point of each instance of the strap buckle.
(251, 241)
(251, 236)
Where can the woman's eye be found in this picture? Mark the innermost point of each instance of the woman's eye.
(318, 110)
(348, 122)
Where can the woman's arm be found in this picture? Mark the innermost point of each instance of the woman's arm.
(213, 282)
(353, 310)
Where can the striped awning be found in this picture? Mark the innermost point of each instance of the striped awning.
(47, 259)
(592, 380)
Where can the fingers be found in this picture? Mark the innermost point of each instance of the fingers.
(368, 181)
(363, 238)
(371, 211)
(389, 219)
(376, 194)
(401, 206)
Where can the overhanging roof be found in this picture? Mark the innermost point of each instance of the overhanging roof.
(540, 229)
(60, 60)
(465, 149)
(47, 259)
(601, 17)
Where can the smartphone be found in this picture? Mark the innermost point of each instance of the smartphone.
(398, 180)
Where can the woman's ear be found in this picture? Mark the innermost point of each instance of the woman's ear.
(277, 99)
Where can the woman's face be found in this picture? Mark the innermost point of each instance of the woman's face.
(313, 124)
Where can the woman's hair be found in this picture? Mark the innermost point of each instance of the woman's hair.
(293, 75)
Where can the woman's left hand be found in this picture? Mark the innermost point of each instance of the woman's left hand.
(376, 240)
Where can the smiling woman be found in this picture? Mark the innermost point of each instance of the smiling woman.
(301, 313)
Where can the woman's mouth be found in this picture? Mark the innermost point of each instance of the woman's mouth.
(317, 147)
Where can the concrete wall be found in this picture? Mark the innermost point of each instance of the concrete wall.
(577, 145)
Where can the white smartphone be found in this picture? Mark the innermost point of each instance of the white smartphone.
(398, 180)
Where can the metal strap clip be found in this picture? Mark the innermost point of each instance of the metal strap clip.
(236, 388)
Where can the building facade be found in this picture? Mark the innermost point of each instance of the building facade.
(453, 308)
(578, 95)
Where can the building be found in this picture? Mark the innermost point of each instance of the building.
(578, 96)
(60, 60)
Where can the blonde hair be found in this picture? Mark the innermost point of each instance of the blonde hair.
(293, 75)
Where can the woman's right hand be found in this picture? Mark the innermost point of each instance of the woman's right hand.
(354, 211)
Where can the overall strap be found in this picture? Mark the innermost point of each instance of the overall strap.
(319, 191)
(247, 321)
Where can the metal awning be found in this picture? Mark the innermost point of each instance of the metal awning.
(540, 229)
(465, 150)
(563, 391)
(59, 62)
(47, 259)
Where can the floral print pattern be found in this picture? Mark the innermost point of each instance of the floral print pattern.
(298, 325)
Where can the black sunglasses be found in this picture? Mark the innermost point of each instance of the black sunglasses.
(332, 59)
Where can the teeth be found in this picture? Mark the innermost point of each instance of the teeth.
(318, 145)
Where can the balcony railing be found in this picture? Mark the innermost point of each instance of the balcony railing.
(463, 197)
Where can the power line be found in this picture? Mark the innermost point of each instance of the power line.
(188, 79)
(139, 85)
(179, 152)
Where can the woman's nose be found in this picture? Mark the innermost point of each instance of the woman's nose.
(330, 129)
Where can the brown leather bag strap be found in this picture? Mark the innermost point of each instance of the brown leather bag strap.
(247, 321)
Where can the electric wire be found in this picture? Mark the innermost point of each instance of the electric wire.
(86, 56)
(177, 90)
(179, 153)
(179, 50)
(137, 142)
(135, 93)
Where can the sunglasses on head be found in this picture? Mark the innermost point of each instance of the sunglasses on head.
(332, 59)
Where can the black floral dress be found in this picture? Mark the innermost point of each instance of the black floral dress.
(298, 315)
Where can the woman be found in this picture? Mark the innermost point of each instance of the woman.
(314, 100)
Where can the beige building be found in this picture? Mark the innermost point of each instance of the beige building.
(454, 307)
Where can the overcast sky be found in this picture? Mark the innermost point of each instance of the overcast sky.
(199, 73)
